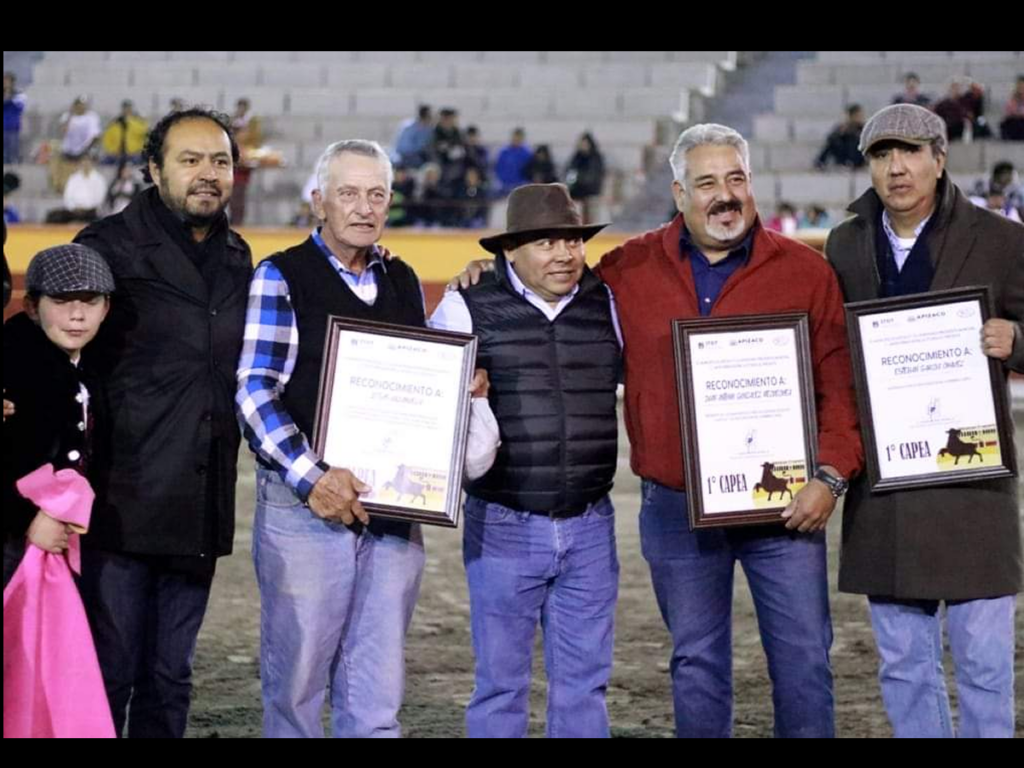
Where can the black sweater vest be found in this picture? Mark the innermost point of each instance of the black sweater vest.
(553, 392)
(316, 291)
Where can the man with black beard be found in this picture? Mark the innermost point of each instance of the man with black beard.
(165, 501)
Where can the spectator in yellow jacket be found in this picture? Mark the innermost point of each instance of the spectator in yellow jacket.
(124, 137)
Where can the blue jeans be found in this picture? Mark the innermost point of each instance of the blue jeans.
(145, 619)
(523, 569)
(981, 639)
(12, 147)
(692, 572)
(335, 605)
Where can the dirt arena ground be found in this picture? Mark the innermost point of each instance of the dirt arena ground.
(226, 700)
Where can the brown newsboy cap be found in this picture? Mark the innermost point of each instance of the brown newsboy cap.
(903, 122)
(539, 208)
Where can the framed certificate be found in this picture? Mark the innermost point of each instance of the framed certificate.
(933, 407)
(747, 407)
(393, 408)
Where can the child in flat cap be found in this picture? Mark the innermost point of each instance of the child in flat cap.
(56, 397)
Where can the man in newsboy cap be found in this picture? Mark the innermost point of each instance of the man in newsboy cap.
(912, 551)
(539, 539)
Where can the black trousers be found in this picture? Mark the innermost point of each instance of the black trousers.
(145, 616)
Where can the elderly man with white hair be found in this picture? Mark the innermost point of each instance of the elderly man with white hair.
(337, 589)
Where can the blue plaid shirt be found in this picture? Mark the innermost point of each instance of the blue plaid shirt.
(269, 353)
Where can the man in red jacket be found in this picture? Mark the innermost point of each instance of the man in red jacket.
(716, 260)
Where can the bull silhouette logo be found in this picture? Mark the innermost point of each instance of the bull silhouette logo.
(403, 484)
(772, 484)
(959, 448)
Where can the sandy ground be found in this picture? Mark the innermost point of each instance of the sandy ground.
(226, 699)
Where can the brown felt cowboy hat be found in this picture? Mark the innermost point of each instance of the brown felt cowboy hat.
(540, 208)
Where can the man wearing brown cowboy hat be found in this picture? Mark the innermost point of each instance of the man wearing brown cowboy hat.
(716, 260)
(539, 540)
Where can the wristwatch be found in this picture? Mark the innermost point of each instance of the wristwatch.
(837, 485)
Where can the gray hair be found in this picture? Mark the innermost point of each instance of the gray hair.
(701, 135)
(352, 147)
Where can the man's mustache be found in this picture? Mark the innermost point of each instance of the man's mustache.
(725, 208)
(205, 188)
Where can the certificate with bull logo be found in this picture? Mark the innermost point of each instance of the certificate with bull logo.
(934, 407)
(394, 409)
(746, 403)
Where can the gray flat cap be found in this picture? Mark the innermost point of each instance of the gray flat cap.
(71, 268)
(908, 123)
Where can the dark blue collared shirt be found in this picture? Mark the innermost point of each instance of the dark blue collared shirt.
(711, 278)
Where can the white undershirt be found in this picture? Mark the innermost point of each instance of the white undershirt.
(901, 246)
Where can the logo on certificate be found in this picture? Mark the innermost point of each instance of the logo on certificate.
(750, 441)
(970, 446)
(780, 482)
(414, 486)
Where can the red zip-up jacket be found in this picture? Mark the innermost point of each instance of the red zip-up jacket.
(653, 285)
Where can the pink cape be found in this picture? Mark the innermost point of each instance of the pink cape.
(52, 682)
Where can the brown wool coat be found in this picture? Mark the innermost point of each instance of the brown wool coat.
(957, 542)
